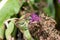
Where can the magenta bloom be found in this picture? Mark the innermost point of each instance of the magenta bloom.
(58, 1)
(34, 17)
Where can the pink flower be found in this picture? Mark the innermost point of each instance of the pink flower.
(58, 1)
(34, 17)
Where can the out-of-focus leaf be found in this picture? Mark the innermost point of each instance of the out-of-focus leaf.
(32, 1)
(7, 9)
(37, 1)
(51, 7)
(9, 29)
(0, 0)
(50, 1)
(47, 11)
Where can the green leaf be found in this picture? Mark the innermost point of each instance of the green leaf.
(27, 35)
(47, 11)
(0, 0)
(51, 7)
(9, 29)
(9, 8)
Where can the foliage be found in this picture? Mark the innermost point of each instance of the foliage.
(9, 29)
(9, 8)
